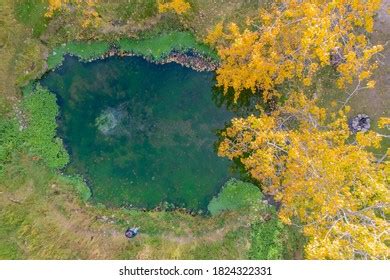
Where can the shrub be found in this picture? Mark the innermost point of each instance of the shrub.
(272, 240)
(267, 240)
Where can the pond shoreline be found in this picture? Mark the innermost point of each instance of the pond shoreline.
(190, 59)
(128, 75)
(180, 47)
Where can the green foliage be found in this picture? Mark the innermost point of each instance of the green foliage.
(159, 46)
(40, 135)
(272, 240)
(83, 50)
(267, 242)
(235, 195)
(32, 14)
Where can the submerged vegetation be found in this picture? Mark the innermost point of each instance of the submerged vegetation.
(41, 111)
(312, 65)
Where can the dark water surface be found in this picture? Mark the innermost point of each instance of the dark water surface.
(140, 133)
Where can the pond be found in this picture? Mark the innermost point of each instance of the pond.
(140, 133)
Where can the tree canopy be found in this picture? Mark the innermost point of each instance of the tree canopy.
(292, 40)
(307, 161)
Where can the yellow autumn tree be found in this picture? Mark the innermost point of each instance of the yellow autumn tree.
(90, 16)
(333, 186)
(54, 5)
(384, 122)
(292, 40)
(178, 6)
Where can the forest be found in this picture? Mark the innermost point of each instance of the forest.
(221, 129)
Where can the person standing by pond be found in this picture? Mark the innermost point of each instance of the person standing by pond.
(131, 232)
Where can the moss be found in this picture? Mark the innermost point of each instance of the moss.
(235, 195)
(159, 46)
(40, 135)
(156, 47)
(83, 50)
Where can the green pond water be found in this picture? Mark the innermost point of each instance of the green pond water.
(140, 133)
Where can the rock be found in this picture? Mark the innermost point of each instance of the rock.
(106, 122)
(110, 121)
(360, 123)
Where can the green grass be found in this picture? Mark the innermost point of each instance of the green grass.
(32, 14)
(9, 139)
(160, 46)
(8, 246)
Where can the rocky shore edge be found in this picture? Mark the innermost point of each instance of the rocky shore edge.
(187, 58)
(192, 60)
